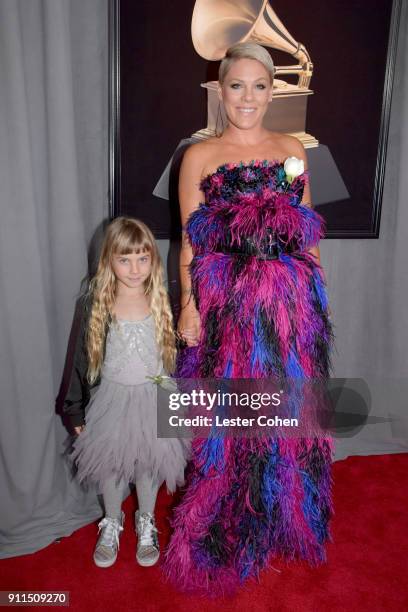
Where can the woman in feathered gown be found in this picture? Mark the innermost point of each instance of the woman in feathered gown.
(259, 310)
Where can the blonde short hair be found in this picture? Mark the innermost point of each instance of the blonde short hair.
(246, 51)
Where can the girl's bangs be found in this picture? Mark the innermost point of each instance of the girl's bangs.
(131, 241)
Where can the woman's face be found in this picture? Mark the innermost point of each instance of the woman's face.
(246, 93)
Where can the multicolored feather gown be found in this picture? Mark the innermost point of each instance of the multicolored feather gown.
(250, 500)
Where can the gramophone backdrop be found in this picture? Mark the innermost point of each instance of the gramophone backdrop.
(161, 101)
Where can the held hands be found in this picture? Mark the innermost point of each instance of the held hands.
(79, 429)
(189, 326)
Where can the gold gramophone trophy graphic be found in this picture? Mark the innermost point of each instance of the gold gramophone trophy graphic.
(217, 25)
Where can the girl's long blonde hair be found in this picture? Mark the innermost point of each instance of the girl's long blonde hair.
(123, 236)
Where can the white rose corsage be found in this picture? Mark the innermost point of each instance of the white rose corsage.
(293, 167)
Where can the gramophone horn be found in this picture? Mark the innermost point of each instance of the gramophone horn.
(219, 24)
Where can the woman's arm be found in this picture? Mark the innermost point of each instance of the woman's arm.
(299, 152)
(190, 196)
(307, 198)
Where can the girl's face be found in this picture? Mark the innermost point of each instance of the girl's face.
(246, 93)
(132, 270)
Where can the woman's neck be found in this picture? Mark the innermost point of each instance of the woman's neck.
(246, 138)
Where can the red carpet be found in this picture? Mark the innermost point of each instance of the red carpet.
(366, 570)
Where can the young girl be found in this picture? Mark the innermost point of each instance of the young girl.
(126, 337)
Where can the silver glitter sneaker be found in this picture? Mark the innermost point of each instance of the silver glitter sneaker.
(148, 550)
(107, 546)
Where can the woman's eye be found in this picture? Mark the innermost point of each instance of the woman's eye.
(235, 85)
(261, 86)
(122, 261)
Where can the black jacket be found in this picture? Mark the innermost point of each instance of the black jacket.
(79, 389)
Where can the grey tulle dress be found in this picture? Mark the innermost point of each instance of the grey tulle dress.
(120, 435)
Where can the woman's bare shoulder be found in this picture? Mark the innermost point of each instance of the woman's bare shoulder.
(200, 150)
(199, 154)
(292, 145)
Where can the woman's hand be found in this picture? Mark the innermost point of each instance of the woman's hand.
(79, 429)
(190, 196)
(189, 325)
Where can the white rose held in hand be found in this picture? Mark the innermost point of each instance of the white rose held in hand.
(293, 168)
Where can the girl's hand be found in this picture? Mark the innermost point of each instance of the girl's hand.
(189, 326)
(79, 429)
